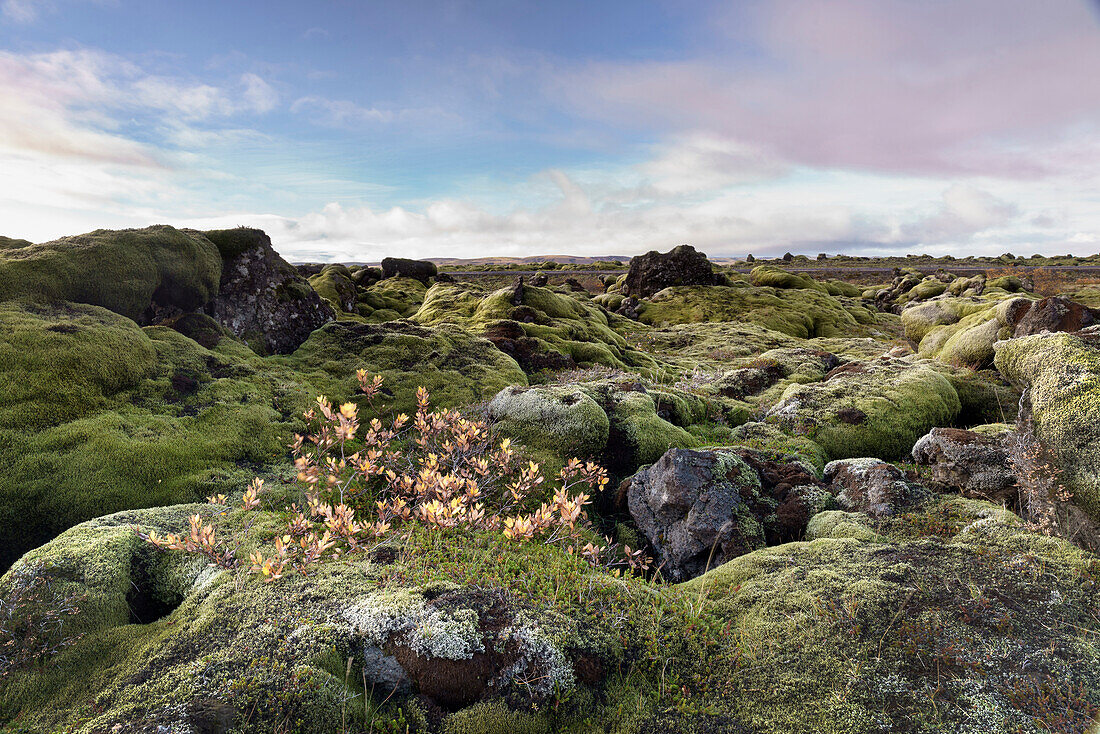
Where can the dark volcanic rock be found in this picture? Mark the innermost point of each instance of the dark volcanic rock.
(262, 298)
(872, 486)
(701, 508)
(1053, 314)
(975, 465)
(421, 270)
(656, 271)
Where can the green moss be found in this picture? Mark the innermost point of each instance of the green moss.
(961, 332)
(798, 313)
(565, 322)
(232, 242)
(769, 275)
(65, 361)
(837, 524)
(875, 408)
(494, 717)
(927, 288)
(1061, 375)
(561, 419)
(334, 284)
(121, 270)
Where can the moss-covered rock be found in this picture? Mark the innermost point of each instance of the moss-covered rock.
(541, 328)
(456, 367)
(877, 408)
(127, 271)
(799, 313)
(1060, 375)
(334, 284)
(624, 424)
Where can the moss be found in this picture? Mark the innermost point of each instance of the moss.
(984, 396)
(799, 313)
(562, 419)
(391, 298)
(847, 635)
(232, 242)
(1060, 374)
(65, 361)
(494, 717)
(563, 322)
(875, 408)
(837, 524)
(961, 332)
(624, 425)
(455, 367)
(334, 284)
(123, 270)
(769, 275)
(927, 288)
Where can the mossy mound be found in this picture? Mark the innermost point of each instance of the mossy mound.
(542, 328)
(391, 298)
(1060, 374)
(334, 284)
(126, 417)
(99, 415)
(126, 271)
(622, 423)
(799, 313)
(961, 332)
(64, 361)
(868, 629)
(455, 367)
(876, 408)
(165, 638)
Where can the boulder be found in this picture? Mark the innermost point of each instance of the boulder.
(869, 408)
(698, 509)
(1059, 374)
(873, 487)
(701, 508)
(1054, 314)
(421, 270)
(262, 299)
(973, 464)
(656, 271)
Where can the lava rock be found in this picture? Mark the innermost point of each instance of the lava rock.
(262, 298)
(421, 270)
(970, 463)
(872, 486)
(656, 271)
(1053, 314)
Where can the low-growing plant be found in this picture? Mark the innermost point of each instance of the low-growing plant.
(33, 617)
(363, 479)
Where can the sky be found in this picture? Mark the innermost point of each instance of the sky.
(352, 130)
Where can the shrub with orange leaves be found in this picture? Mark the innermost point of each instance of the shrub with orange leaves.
(438, 468)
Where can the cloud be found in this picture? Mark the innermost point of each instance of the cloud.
(963, 212)
(886, 85)
(343, 113)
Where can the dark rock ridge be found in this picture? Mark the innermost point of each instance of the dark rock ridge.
(970, 463)
(262, 299)
(421, 270)
(655, 271)
(701, 508)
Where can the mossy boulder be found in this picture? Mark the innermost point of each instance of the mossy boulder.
(624, 424)
(560, 418)
(875, 408)
(335, 285)
(391, 298)
(139, 273)
(162, 635)
(1060, 376)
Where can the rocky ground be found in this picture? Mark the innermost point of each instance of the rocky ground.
(828, 507)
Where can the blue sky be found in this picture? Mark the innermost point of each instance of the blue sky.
(353, 130)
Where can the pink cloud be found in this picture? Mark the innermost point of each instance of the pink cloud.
(932, 88)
